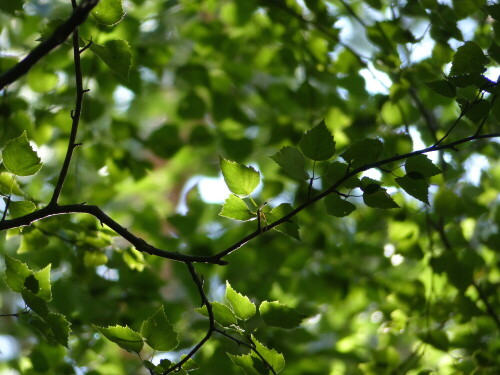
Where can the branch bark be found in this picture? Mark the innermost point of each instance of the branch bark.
(59, 36)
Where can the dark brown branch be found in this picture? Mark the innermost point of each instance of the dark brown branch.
(58, 37)
(211, 319)
(95, 211)
(75, 115)
(348, 175)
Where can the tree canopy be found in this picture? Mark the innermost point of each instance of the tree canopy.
(250, 187)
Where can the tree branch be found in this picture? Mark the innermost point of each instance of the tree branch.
(78, 16)
(211, 319)
(75, 116)
(348, 175)
(139, 243)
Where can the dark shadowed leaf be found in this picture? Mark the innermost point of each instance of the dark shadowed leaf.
(318, 144)
(280, 315)
(337, 206)
(292, 161)
(416, 187)
(363, 152)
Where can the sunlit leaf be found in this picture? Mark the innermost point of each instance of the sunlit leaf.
(124, 336)
(235, 208)
(16, 273)
(94, 258)
(21, 208)
(240, 179)
(159, 332)
(116, 54)
(222, 314)
(19, 157)
(108, 12)
(272, 357)
(241, 305)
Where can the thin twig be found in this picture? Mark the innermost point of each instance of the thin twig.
(59, 36)
(199, 284)
(75, 115)
(251, 346)
(489, 308)
(348, 175)
(7, 203)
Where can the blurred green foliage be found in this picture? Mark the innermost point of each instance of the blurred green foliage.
(176, 87)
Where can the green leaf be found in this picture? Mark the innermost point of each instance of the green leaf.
(35, 303)
(116, 54)
(9, 185)
(273, 358)
(437, 338)
(31, 283)
(289, 228)
(134, 259)
(494, 51)
(94, 258)
(21, 208)
(222, 314)
(125, 337)
(16, 273)
(189, 365)
(363, 152)
(494, 11)
(478, 111)
(469, 59)
(49, 28)
(43, 278)
(60, 328)
(318, 144)
(421, 164)
(338, 170)
(416, 187)
(240, 179)
(11, 6)
(235, 208)
(246, 362)
(159, 332)
(337, 206)
(443, 87)
(379, 199)
(241, 305)
(19, 157)
(108, 12)
(292, 161)
(280, 315)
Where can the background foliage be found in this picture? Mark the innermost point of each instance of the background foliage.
(182, 90)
